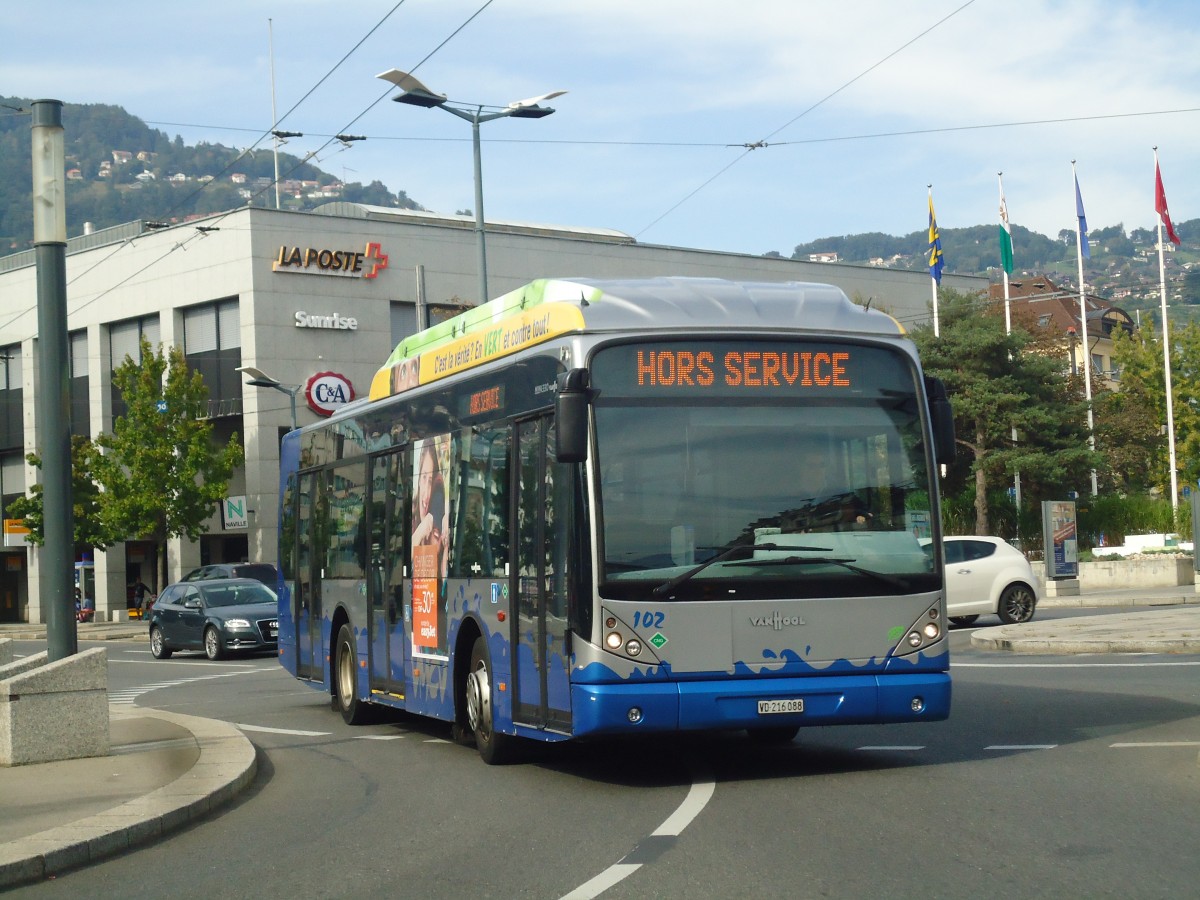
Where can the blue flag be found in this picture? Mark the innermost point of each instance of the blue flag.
(1083, 241)
(936, 262)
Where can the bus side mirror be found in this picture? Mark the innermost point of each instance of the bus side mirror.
(571, 416)
(942, 419)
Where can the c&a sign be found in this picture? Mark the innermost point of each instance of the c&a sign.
(327, 391)
(365, 263)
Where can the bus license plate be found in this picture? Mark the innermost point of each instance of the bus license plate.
(767, 707)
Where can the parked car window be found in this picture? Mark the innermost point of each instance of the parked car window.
(954, 551)
(977, 549)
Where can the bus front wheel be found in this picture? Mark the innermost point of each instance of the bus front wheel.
(495, 749)
(345, 679)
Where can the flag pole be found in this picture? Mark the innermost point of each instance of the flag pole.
(1080, 238)
(1166, 342)
(1005, 266)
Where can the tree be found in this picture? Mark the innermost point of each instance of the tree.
(159, 470)
(999, 381)
(85, 500)
(1139, 358)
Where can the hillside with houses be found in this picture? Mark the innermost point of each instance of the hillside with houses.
(119, 169)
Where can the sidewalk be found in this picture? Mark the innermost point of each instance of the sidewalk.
(163, 771)
(166, 769)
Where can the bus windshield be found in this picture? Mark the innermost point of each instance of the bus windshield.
(753, 470)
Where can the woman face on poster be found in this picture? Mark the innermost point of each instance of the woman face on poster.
(429, 521)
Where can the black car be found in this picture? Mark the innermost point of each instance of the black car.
(264, 572)
(217, 616)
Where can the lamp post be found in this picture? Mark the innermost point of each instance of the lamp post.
(259, 378)
(52, 389)
(416, 94)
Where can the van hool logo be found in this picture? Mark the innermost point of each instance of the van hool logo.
(367, 263)
(776, 620)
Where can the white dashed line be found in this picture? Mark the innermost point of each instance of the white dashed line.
(293, 731)
(697, 798)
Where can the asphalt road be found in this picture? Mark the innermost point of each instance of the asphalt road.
(1055, 776)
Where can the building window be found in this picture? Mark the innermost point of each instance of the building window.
(80, 406)
(212, 342)
(12, 428)
(404, 321)
(124, 340)
(12, 478)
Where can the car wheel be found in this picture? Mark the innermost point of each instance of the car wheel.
(345, 676)
(158, 646)
(212, 643)
(496, 749)
(964, 620)
(1016, 604)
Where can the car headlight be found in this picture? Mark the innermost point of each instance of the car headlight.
(237, 624)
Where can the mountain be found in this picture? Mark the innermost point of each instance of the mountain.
(1123, 267)
(119, 169)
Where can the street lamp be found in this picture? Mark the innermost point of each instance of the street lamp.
(259, 378)
(416, 94)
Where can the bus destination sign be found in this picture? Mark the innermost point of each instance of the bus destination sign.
(743, 368)
(740, 368)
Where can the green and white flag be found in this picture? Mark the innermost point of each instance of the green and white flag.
(1006, 250)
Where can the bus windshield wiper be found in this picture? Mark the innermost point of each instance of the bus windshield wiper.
(887, 579)
(724, 555)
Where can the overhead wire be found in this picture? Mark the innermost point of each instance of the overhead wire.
(751, 147)
(186, 200)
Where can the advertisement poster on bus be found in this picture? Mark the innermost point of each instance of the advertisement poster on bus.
(1061, 539)
(432, 476)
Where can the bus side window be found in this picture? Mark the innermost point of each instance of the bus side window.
(481, 539)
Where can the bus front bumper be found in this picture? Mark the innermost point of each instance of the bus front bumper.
(599, 709)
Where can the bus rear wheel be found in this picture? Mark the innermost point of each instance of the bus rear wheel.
(496, 749)
(345, 680)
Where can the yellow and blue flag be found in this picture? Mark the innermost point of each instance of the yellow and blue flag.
(1083, 240)
(936, 262)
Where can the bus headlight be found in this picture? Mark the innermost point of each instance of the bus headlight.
(932, 631)
(633, 646)
(613, 640)
(914, 639)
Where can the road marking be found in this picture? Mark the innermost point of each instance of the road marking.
(129, 695)
(1095, 665)
(163, 663)
(1021, 747)
(1158, 744)
(379, 737)
(701, 791)
(293, 731)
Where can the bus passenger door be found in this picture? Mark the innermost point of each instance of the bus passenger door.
(388, 513)
(306, 598)
(542, 646)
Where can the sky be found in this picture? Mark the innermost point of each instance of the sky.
(858, 106)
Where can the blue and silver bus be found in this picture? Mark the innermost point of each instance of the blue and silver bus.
(591, 508)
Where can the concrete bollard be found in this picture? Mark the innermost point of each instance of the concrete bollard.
(52, 711)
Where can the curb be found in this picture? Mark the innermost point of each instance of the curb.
(226, 766)
(1035, 645)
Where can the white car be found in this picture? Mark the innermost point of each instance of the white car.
(986, 576)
